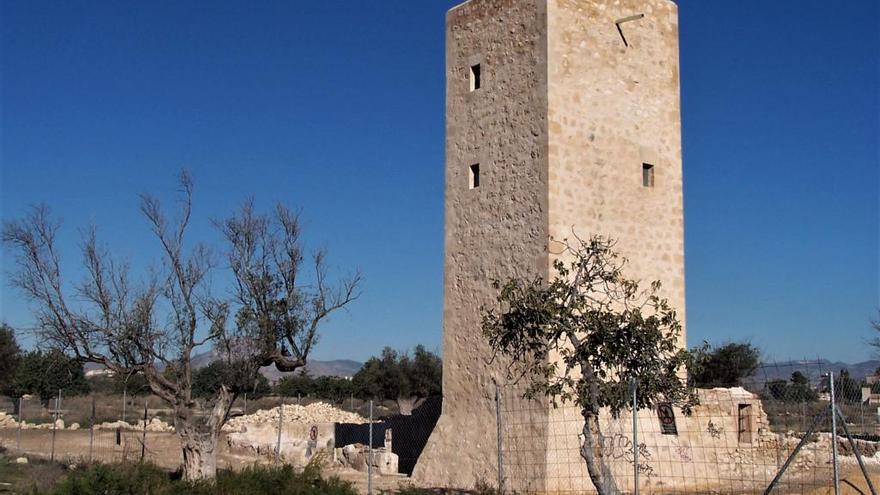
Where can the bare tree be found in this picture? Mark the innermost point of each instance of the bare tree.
(154, 327)
(875, 324)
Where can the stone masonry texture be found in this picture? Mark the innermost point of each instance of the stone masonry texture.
(566, 116)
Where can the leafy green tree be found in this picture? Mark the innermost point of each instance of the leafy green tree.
(777, 389)
(207, 380)
(10, 354)
(332, 387)
(606, 332)
(425, 373)
(798, 389)
(846, 388)
(45, 373)
(395, 376)
(298, 384)
(381, 377)
(725, 366)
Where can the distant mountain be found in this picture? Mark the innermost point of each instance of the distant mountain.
(315, 368)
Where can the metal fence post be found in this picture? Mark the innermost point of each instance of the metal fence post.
(20, 421)
(144, 433)
(370, 455)
(635, 446)
(834, 437)
(55, 424)
(124, 392)
(280, 426)
(92, 430)
(245, 403)
(498, 438)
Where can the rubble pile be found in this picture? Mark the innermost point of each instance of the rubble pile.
(7, 421)
(154, 425)
(318, 412)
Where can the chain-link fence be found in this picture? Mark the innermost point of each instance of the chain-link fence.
(89, 428)
(368, 442)
(775, 433)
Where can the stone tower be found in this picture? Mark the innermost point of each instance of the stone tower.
(561, 116)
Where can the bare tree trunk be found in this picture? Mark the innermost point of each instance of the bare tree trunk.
(591, 451)
(199, 435)
(198, 440)
(199, 455)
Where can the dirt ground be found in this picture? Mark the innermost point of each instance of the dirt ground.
(852, 482)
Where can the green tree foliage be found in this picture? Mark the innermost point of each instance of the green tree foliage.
(382, 377)
(425, 373)
(846, 388)
(724, 366)
(10, 354)
(298, 384)
(207, 380)
(606, 332)
(394, 375)
(798, 389)
(333, 388)
(44, 373)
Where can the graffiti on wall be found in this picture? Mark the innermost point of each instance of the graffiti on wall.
(684, 453)
(714, 431)
(619, 447)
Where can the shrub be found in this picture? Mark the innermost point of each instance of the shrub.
(116, 479)
(277, 481)
(146, 479)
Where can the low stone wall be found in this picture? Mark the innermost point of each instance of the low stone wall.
(724, 446)
(300, 442)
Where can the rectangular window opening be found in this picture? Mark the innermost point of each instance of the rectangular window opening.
(647, 175)
(475, 77)
(474, 175)
(744, 423)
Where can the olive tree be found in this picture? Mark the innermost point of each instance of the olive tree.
(154, 327)
(584, 336)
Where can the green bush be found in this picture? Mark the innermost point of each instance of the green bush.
(116, 479)
(145, 479)
(281, 481)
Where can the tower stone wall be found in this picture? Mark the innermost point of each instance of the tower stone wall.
(566, 116)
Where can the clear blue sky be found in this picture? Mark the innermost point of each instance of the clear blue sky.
(337, 107)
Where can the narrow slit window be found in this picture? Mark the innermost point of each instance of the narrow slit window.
(744, 423)
(647, 175)
(475, 77)
(474, 175)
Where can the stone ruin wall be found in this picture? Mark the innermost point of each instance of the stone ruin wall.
(705, 456)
